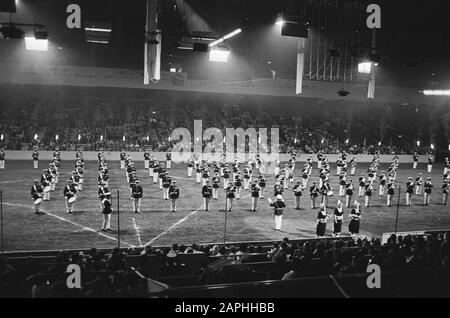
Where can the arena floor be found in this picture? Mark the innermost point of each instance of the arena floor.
(55, 229)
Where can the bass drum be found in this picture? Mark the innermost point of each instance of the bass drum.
(330, 193)
(72, 199)
(38, 201)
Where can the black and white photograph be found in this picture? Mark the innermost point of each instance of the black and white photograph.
(219, 156)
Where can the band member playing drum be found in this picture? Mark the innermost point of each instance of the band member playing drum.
(103, 193)
(419, 184)
(174, 194)
(409, 191)
(136, 196)
(427, 186)
(430, 163)
(313, 194)
(326, 192)
(355, 217)
(70, 194)
(338, 217)
(106, 211)
(322, 218)
(36, 195)
(390, 192)
(254, 188)
(349, 188)
(35, 157)
(2, 158)
(415, 160)
(123, 156)
(206, 194)
(278, 206)
(368, 193)
(445, 190)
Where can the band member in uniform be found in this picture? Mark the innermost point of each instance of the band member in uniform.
(447, 166)
(415, 160)
(349, 188)
(35, 157)
(231, 194)
(46, 180)
(326, 192)
(353, 165)
(36, 195)
(445, 190)
(362, 185)
(409, 191)
(278, 206)
(313, 194)
(355, 217)
(174, 194)
(106, 212)
(342, 184)
(103, 193)
(305, 177)
(419, 184)
(390, 192)
(262, 185)
(319, 159)
(2, 159)
(368, 194)
(123, 156)
(238, 184)
(155, 170)
(297, 194)
(168, 160)
(205, 174)
(215, 185)
(338, 217)
(161, 174)
(146, 159)
(430, 163)
(166, 182)
(254, 188)
(190, 166)
(276, 168)
(322, 218)
(427, 186)
(383, 180)
(136, 196)
(70, 193)
(206, 194)
(247, 177)
(198, 173)
(226, 178)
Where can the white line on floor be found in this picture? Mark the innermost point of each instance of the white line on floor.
(137, 232)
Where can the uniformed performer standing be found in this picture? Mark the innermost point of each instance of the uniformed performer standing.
(174, 194)
(383, 180)
(355, 217)
(123, 156)
(390, 192)
(198, 173)
(254, 188)
(430, 163)
(231, 194)
(106, 211)
(445, 190)
(136, 195)
(297, 194)
(238, 185)
(362, 185)
(166, 182)
(415, 160)
(368, 194)
(35, 157)
(278, 206)
(36, 195)
(146, 159)
(427, 186)
(155, 171)
(326, 193)
(262, 185)
(322, 218)
(226, 178)
(103, 193)
(338, 217)
(2, 158)
(70, 193)
(46, 180)
(168, 160)
(419, 184)
(190, 166)
(215, 186)
(349, 188)
(206, 194)
(342, 184)
(353, 165)
(409, 191)
(313, 194)
(447, 166)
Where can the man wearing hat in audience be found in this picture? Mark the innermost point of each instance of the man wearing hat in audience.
(136, 196)
(278, 206)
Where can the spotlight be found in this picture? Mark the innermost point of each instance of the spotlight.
(343, 93)
(365, 67)
(33, 44)
(418, 143)
(11, 32)
(225, 37)
(218, 54)
(432, 146)
(436, 92)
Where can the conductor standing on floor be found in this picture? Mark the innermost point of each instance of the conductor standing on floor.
(136, 196)
(278, 206)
